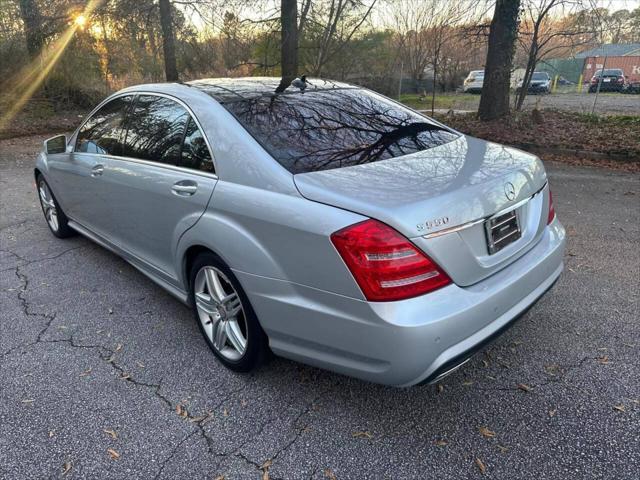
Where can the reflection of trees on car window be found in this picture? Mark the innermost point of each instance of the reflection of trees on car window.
(195, 153)
(154, 129)
(324, 129)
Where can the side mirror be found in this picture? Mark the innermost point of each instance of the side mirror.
(57, 144)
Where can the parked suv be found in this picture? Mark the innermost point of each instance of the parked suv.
(474, 81)
(612, 80)
(540, 83)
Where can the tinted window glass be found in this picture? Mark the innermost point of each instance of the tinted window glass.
(102, 133)
(324, 129)
(154, 129)
(195, 153)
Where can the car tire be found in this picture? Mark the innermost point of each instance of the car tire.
(223, 332)
(57, 221)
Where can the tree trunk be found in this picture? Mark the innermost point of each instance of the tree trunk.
(33, 24)
(494, 102)
(289, 45)
(528, 73)
(168, 41)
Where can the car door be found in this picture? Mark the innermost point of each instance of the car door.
(153, 197)
(76, 175)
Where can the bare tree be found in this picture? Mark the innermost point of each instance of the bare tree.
(425, 31)
(33, 26)
(542, 35)
(494, 102)
(289, 47)
(168, 41)
(336, 21)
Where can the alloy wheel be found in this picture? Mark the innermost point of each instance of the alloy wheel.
(221, 313)
(48, 206)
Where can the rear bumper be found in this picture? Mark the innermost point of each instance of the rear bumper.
(407, 342)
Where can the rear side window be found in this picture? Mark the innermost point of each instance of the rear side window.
(155, 128)
(102, 133)
(325, 129)
(195, 153)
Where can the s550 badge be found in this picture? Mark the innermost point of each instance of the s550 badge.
(431, 224)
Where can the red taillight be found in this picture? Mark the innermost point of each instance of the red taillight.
(552, 211)
(385, 264)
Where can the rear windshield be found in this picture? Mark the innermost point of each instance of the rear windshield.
(540, 76)
(610, 72)
(325, 129)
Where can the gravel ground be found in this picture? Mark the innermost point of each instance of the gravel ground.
(103, 374)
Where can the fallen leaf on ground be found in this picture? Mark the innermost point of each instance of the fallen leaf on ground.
(524, 387)
(110, 311)
(28, 400)
(225, 412)
(51, 433)
(485, 432)
(481, 465)
(125, 376)
(86, 372)
(219, 477)
(466, 383)
(111, 433)
(485, 363)
(552, 369)
(265, 469)
(552, 413)
(619, 408)
(140, 364)
(113, 454)
(118, 347)
(363, 434)
(604, 360)
(503, 449)
(181, 411)
(329, 474)
(66, 467)
(439, 388)
(440, 443)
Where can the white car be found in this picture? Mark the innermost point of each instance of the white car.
(473, 82)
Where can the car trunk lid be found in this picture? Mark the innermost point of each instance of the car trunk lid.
(429, 195)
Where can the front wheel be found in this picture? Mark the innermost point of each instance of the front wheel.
(225, 316)
(53, 214)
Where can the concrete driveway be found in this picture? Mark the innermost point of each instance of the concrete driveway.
(103, 374)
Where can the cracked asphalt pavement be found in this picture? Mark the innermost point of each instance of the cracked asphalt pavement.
(103, 374)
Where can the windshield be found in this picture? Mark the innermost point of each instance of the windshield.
(325, 129)
(540, 76)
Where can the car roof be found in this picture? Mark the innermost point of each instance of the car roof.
(234, 89)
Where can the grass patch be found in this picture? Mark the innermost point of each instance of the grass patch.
(443, 101)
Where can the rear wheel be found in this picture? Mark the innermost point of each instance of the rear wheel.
(56, 219)
(225, 316)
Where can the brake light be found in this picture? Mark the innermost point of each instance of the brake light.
(552, 210)
(385, 264)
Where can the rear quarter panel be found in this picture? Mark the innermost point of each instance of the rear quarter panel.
(279, 236)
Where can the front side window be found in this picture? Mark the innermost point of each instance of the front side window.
(102, 133)
(325, 129)
(155, 128)
(195, 153)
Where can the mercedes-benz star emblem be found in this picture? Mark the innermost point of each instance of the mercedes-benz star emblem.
(509, 191)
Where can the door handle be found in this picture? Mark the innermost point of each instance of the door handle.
(97, 170)
(184, 188)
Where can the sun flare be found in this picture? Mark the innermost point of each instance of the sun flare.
(80, 21)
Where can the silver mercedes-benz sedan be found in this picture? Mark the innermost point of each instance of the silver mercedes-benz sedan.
(326, 224)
